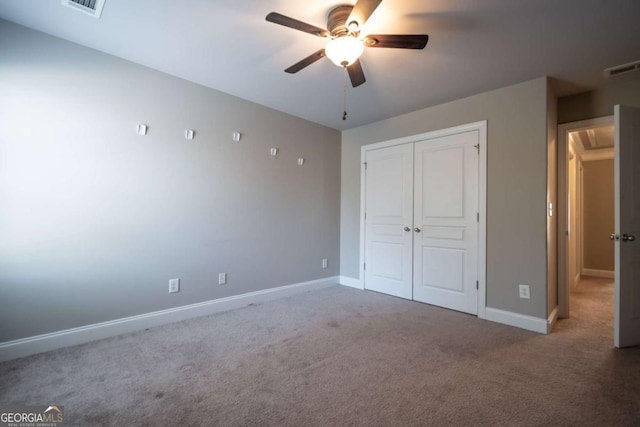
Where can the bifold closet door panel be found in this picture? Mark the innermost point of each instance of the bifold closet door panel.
(445, 262)
(388, 220)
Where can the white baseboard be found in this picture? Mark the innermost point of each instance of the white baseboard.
(493, 314)
(351, 282)
(83, 334)
(552, 319)
(529, 323)
(598, 273)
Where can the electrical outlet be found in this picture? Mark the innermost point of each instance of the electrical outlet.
(524, 291)
(222, 278)
(324, 263)
(174, 286)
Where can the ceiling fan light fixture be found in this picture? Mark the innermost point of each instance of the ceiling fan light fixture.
(344, 51)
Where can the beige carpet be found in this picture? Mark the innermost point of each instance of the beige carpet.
(343, 357)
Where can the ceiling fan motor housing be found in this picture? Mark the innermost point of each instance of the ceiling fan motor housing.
(337, 20)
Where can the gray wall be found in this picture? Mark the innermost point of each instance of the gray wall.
(95, 220)
(599, 103)
(516, 193)
(598, 214)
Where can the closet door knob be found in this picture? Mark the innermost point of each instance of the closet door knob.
(417, 230)
(407, 229)
(628, 238)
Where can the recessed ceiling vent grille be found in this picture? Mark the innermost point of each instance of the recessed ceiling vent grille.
(90, 7)
(622, 69)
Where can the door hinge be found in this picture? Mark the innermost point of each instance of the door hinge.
(477, 216)
(365, 165)
(477, 147)
(477, 284)
(365, 216)
(365, 265)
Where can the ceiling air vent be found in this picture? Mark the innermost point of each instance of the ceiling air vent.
(622, 69)
(90, 7)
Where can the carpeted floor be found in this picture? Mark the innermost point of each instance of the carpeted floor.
(338, 357)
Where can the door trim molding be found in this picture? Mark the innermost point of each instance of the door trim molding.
(351, 282)
(563, 192)
(481, 128)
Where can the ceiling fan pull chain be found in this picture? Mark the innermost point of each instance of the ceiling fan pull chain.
(344, 114)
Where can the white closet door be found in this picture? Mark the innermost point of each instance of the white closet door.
(388, 216)
(445, 222)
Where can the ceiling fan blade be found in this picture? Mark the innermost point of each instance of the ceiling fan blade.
(356, 74)
(362, 10)
(397, 41)
(306, 62)
(277, 18)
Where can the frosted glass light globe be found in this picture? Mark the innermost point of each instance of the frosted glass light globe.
(344, 51)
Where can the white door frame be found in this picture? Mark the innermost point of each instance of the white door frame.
(481, 127)
(563, 215)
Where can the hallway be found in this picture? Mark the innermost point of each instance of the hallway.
(591, 310)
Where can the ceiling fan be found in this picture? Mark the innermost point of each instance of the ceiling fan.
(345, 45)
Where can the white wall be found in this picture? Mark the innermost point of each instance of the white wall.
(516, 187)
(94, 219)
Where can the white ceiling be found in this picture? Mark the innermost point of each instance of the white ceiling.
(474, 46)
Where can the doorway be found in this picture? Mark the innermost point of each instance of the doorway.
(586, 171)
(626, 121)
